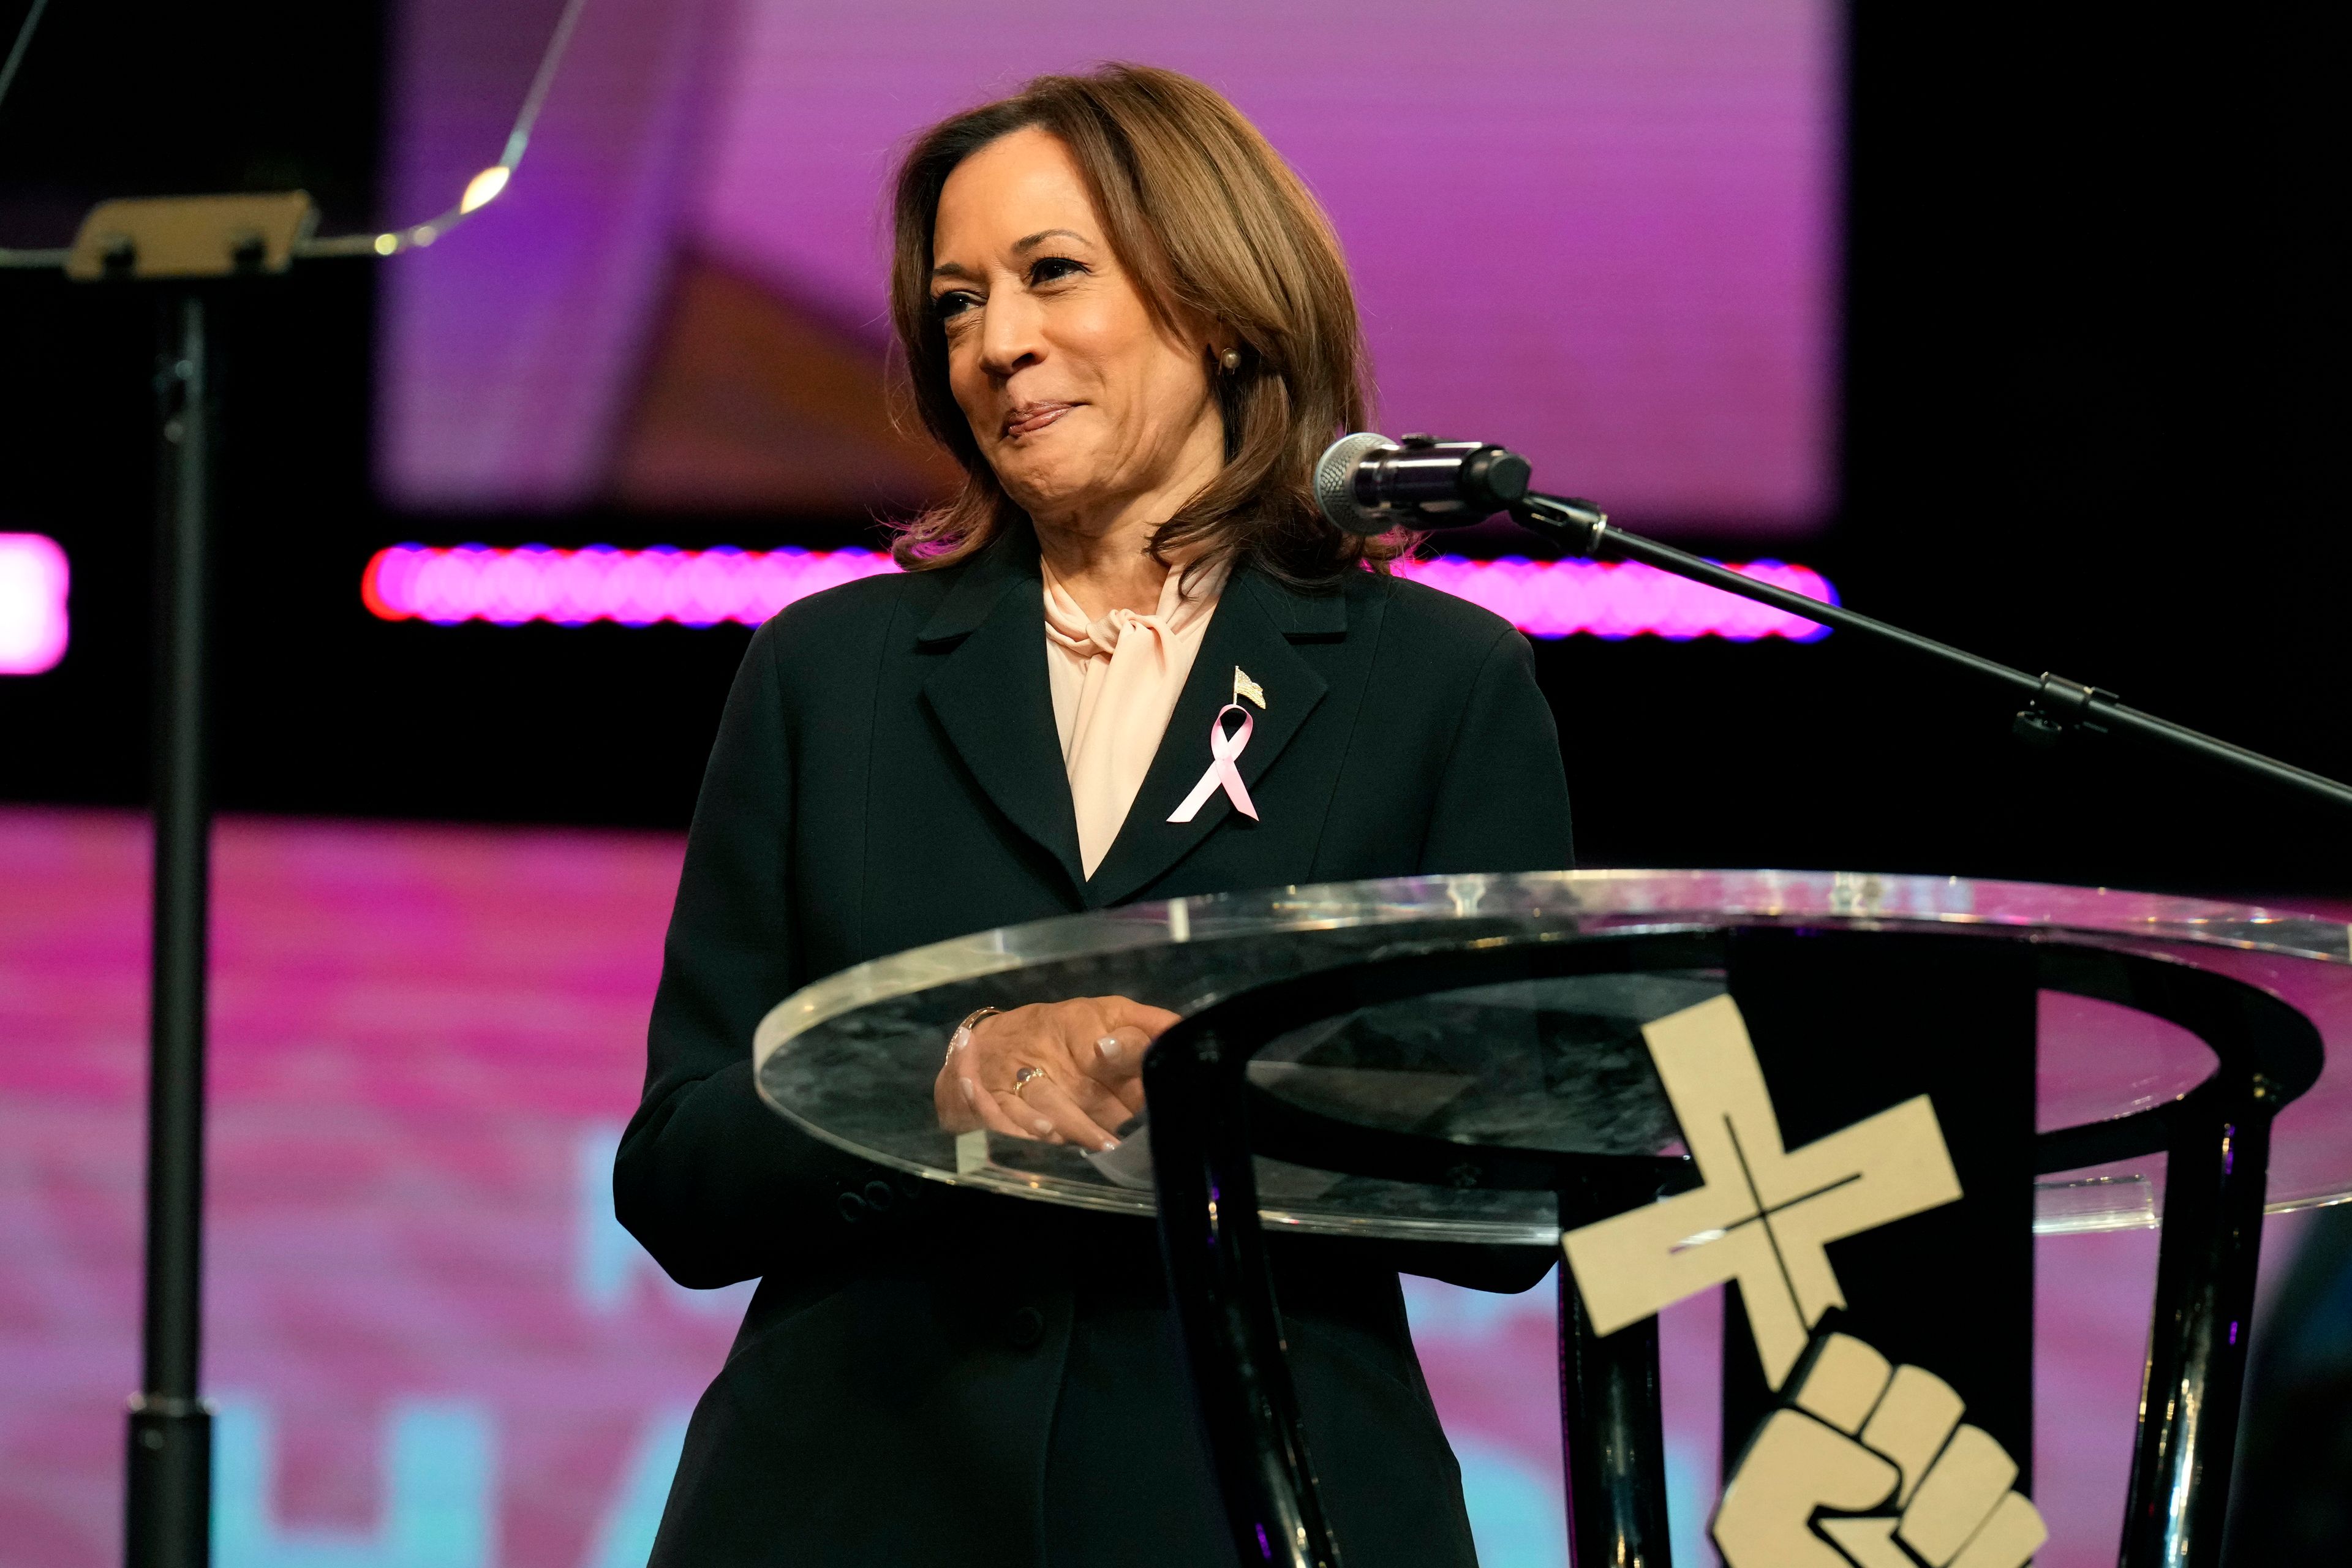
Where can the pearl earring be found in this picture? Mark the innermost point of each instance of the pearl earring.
(1231, 359)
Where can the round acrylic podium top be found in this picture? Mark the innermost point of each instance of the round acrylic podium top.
(1554, 1064)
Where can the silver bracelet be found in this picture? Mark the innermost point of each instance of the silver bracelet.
(963, 1036)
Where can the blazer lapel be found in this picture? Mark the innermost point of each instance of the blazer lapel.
(990, 694)
(1252, 629)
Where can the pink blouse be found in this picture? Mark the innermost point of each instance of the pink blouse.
(1116, 681)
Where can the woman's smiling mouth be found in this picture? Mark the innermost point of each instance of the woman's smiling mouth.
(1028, 419)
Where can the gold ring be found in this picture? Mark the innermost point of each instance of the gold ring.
(1024, 1079)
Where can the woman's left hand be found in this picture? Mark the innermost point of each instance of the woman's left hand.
(1063, 1072)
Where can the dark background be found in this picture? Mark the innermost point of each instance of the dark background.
(2091, 323)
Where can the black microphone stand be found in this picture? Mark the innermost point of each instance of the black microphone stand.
(2055, 706)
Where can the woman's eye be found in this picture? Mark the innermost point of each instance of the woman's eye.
(1053, 268)
(947, 306)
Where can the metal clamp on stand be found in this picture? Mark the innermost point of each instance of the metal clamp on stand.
(171, 1478)
(2060, 707)
(191, 236)
(1576, 526)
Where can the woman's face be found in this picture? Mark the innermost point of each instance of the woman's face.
(1078, 399)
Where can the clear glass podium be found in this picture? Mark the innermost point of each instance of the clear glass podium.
(1463, 1059)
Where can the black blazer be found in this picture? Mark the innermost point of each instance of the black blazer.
(928, 1376)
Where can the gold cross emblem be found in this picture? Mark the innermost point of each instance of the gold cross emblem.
(1766, 1213)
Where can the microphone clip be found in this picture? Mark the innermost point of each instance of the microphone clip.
(1576, 526)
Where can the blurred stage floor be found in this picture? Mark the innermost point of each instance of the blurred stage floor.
(431, 1344)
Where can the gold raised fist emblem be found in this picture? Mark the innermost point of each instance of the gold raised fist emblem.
(1870, 1466)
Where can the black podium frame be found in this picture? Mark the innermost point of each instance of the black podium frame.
(1208, 1123)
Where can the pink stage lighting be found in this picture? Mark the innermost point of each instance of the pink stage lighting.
(1623, 598)
(704, 587)
(33, 579)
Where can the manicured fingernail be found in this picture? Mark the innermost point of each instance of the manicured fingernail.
(1042, 1125)
(971, 1091)
(1110, 1144)
(1108, 1045)
(1055, 1138)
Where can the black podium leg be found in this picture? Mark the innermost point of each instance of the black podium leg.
(1213, 1250)
(2215, 1179)
(1613, 1431)
(1614, 1438)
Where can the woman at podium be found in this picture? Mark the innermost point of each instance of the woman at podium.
(1127, 661)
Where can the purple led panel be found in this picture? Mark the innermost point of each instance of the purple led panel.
(506, 351)
(1600, 232)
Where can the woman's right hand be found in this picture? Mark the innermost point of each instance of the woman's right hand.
(1087, 1062)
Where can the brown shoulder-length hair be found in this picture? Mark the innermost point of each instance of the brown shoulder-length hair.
(1204, 216)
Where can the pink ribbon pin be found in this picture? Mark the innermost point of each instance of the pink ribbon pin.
(1222, 749)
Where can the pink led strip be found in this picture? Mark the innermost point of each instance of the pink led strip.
(704, 587)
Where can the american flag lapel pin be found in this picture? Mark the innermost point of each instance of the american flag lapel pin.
(1244, 687)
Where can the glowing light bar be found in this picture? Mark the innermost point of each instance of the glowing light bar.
(704, 587)
(1623, 598)
(574, 587)
(32, 581)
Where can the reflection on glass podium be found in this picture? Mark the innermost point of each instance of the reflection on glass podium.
(1853, 1100)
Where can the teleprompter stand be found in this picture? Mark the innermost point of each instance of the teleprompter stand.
(185, 250)
(188, 251)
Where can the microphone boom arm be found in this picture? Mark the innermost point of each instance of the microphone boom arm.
(2054, 705)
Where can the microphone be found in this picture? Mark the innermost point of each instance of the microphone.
(1367, 483)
